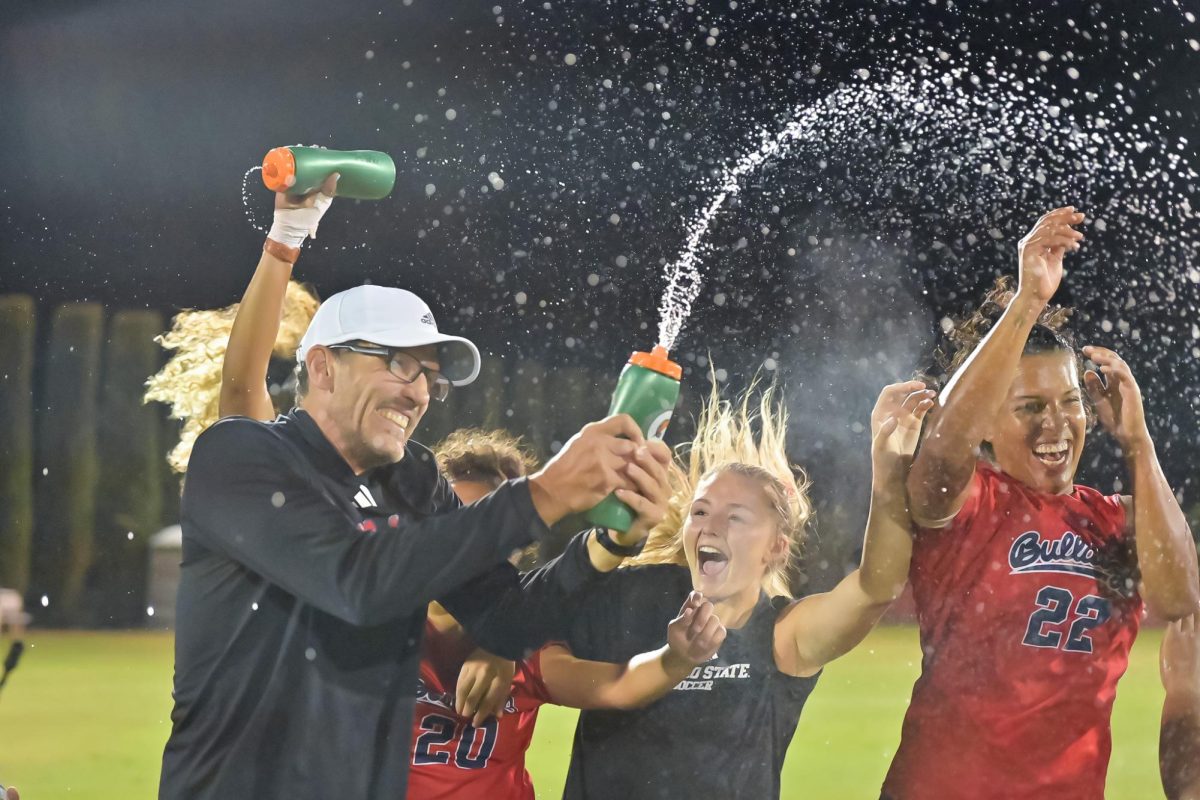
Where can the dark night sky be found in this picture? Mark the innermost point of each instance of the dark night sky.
(127, 127)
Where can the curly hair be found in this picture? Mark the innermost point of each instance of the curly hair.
(490, 457)
(487, 456)
(190, 382)
(748, 438)
(1049, 334)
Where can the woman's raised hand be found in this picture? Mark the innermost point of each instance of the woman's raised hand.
(1117, 398)
(1041, 253)
(897, 416)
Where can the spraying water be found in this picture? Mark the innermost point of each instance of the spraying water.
(969, 144)
(685, 277)
(246, 200)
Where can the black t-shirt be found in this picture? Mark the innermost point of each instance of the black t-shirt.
(302, 603)
(721, 733)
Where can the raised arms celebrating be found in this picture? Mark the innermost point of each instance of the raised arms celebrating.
(818, 629)
(942, 472)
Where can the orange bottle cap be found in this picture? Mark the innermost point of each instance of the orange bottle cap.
(658, 361)
(279, 169)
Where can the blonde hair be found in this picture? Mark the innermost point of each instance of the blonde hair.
(190, 382)
(487, 456)
(747, 437)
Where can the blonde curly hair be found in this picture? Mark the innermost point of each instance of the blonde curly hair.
(190, 382)
(747, 437)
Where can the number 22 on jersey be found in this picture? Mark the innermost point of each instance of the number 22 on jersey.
(1055, 606)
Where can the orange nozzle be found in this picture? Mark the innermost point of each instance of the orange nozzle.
(279, 169)
(657, 360)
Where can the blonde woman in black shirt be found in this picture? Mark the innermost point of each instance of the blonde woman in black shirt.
(735, 523)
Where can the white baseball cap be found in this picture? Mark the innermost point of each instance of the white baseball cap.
(390, 318)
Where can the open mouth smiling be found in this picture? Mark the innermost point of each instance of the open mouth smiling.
(401, 421)
(710, 561)
(1053, 454)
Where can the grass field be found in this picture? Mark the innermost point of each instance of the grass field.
(86, 716)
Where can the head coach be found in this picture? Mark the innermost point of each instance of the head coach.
(312, 545)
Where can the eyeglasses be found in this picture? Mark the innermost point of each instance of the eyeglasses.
(404, 366)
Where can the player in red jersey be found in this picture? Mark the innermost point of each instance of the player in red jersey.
(1026, 585)
(461, 749)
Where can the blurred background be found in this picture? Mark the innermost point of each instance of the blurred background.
(550, 159)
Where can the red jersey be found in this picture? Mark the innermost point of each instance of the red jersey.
(1027, 606)
(451, 759)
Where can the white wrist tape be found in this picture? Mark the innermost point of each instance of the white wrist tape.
(292, 226)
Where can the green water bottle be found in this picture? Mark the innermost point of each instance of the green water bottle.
(365, 174)
(647, 391)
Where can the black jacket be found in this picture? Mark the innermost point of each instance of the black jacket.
(302, 602)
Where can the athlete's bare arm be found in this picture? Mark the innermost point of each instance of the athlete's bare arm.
(244, 372)
(941, 475)
(1165, 548)
(693, 637)
(816, 630)
(1179, 739)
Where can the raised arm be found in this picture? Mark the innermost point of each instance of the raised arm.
(941, 475)
(814, 631)
(256, 326)
(1165, 548)
(1179, 738)
(693, 637)
(244, 371)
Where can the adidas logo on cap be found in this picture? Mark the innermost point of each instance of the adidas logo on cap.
(427, 319)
